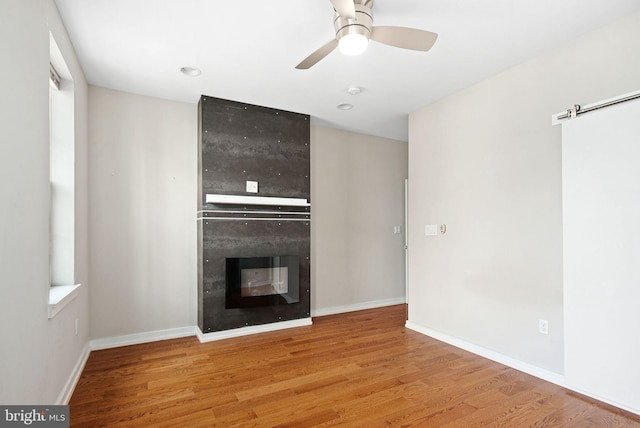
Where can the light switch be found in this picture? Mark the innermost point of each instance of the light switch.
(431, 230)
(252, 186)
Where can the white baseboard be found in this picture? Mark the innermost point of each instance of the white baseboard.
(357, 307)
(137, 338)
(70, 386)
(133, 339)
(635, 410)
(252, 329)
(538, 372)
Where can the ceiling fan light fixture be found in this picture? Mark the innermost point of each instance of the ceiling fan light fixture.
(353, 44)
(353, 31)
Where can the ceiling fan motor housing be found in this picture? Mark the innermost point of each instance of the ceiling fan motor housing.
(361, 25)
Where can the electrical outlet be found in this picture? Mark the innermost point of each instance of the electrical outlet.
(543, 326)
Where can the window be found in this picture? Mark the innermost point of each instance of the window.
(61, 181)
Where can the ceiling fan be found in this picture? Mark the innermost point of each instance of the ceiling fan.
(353, 23)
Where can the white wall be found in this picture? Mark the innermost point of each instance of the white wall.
(487, 162)
(357, 195)
(38, 356)
(143, 175)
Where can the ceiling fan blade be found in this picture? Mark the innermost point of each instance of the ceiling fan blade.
(403, 37)
(315, 57)
(345, 8)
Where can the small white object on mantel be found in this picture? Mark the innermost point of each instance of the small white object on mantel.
(252, 186)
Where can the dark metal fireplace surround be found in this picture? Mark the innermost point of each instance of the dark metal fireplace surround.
(255, 216)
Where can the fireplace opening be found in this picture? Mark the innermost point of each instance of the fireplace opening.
(261, 281)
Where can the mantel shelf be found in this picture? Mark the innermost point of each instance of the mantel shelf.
(255, 200)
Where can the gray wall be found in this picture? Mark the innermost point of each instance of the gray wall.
(37, 355)
(357, 189)
(487, 162)
(143, 181)
(143, 173)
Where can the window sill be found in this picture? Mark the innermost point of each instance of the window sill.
(60, 296)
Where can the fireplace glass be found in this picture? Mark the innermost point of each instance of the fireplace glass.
(261, 281)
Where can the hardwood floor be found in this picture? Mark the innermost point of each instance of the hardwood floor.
(357, 369)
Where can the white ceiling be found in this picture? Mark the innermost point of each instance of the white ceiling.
(247, 51)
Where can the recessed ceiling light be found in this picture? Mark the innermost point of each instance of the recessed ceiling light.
(345, 106)
(191, 71)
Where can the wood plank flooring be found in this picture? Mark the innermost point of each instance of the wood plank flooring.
(357, 369)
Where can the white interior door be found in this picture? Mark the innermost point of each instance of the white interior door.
(601, 232)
